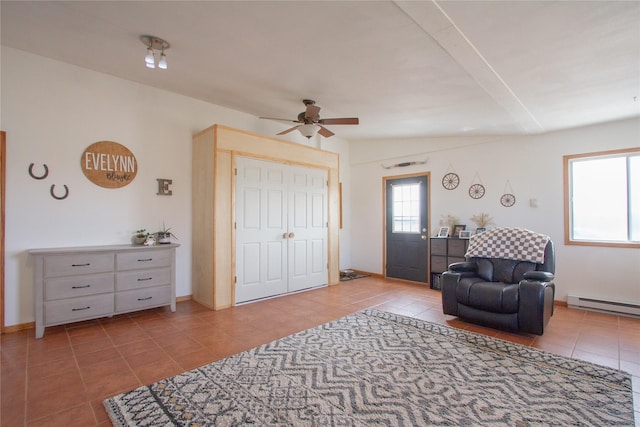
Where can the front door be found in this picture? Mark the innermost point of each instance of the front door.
(407, 227)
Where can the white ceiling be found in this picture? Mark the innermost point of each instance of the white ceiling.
(406, 69)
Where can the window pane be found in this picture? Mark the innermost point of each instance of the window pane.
(406, 208)
(599, 191)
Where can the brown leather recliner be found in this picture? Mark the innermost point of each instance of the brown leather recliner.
(509, 294)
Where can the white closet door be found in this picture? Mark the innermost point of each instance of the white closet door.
(281, 228)
(261, 214)
(308, 251)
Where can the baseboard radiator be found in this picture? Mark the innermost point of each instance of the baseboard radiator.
(613, 307)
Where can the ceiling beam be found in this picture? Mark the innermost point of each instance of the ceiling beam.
(435, 22)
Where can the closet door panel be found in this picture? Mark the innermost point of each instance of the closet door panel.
(308, 222)
(261, 244)
(274, 262)
(299, 258)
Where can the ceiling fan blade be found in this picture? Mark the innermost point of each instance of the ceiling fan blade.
(312, 112)
(288, 130)
(340, 121)
(325, 132)
(281, 120)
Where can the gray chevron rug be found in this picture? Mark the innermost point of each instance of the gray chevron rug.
(375, 368)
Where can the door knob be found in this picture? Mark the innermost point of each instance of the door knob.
(423, 237)
(284, 236)
(291, 235)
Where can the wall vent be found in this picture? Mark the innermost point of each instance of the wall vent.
(613, 307)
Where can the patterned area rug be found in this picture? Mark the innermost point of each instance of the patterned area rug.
(380, 369)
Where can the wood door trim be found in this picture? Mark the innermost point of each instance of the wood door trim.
(3, 164)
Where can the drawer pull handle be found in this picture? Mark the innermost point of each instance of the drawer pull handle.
(144, 299)
(145, 279)
(81, 265)
(144, 260)
(80, 287)
(80, 309)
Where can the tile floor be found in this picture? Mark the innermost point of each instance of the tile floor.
(61, 379)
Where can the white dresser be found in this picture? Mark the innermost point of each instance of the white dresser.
(80, 283)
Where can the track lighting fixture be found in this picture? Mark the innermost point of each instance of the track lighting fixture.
(155, 43)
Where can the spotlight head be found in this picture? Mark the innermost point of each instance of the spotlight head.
(149, 57)
(162, 64)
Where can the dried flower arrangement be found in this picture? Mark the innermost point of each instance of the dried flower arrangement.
(449, 220)
(482, 219)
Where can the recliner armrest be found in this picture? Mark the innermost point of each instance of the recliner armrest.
(463, 267)
(536, 304)
(539, 276)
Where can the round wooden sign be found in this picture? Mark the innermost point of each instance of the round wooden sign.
(109, 164)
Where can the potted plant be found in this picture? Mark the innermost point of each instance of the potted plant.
(139, 237)
(165, 235)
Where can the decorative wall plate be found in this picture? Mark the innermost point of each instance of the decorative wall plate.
(450, 181)
(476, 191)
(507, 200)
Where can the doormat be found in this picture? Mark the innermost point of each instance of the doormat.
(346, 275)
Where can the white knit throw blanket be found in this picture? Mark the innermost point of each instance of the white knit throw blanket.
(509, 243)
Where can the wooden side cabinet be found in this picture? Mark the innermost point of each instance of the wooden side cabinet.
(444, 251)
(81, 283)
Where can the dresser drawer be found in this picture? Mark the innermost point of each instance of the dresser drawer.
(90, 307)
(438, 246)
(458, 247)
(77, 286)
(143, 259)
(73, 264)
(143, 278)
(142, 298)
(439, 264)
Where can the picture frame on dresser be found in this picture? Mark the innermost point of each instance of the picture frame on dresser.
(443, 232)
(457, 229)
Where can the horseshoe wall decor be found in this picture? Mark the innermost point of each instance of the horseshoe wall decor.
(53, 194)
(43, 176)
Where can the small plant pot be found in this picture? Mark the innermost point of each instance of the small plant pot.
(164, 239)
(138, 240)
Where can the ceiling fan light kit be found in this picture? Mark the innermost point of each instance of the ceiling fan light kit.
(311, 123)
(155, 43)
(308, 130)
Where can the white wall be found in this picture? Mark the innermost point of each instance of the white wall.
(51, 112)
(532, 165)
